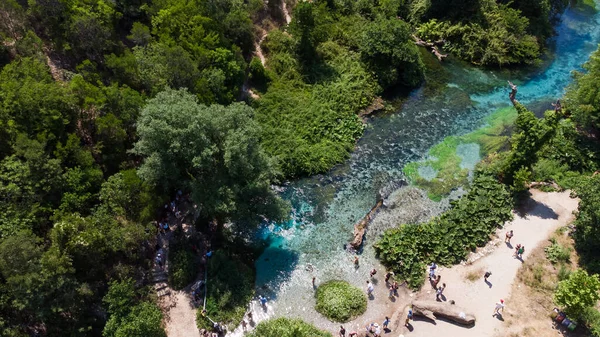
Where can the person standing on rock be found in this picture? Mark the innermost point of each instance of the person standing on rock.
(409, 316)
(499, 307)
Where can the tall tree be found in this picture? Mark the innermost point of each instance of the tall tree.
(212, 150)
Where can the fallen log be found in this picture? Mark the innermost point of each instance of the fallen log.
(432, 45)
(433, 309)
(535, 184)
(361, 226)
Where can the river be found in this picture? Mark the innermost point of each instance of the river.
(454, 101)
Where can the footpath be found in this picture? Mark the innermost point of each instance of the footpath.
(545, 213)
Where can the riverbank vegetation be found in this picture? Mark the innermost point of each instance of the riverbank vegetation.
(285, 327)
(230, 287)
(339, 301)
(108, 107)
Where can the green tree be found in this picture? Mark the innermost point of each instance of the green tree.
(128, 319)
(387, 47)
(583, 97)
(588, 223)
(577, 293)
(212, 151)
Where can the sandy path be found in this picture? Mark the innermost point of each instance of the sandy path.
(547, 212)
(182, 317)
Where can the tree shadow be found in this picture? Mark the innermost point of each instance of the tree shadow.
(274, 267)
(532, 207)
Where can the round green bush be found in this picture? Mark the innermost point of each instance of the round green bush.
(285, 327)
(339, 301)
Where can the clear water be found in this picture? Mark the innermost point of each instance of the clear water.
(325, 207)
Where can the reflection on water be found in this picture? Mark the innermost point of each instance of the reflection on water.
(327, 206)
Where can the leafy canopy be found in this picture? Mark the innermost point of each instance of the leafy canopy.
(214, 151)
(577, 293)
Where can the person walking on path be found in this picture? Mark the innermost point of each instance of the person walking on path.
(386, 323)
(387, 276)
(499, 307)
(244, 325)
(391, 291)
(356, 261)
(434, 283)
(313, 282)
(373, 272)
(517, 247)
(440, 292)
(370, 288)
(342, 331)
(509, 236)
(486, 275)
(409, 316)
(520, 252)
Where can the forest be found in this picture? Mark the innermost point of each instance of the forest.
(107, 108)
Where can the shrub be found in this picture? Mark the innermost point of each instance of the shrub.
(182, 265)
(557, 253)
(285, 327)
(591, 319)
(578, 292)
(448, 238)
(230, 287)
(339, 301)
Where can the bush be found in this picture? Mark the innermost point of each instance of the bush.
(447, 239)
(183, 267)
(578, 292)
(557, 253)
(339, 301)
(230, 287)
(591, 319)
(285, 327)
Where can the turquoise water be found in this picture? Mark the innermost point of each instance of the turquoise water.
(454, 101)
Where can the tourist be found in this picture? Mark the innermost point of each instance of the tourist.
(436, 281)
(250, 316)
(520, 252)
(395, 286)
(356, 261)
(409, 316)
(342, 331)
(431, 274)
(387, 276)
(499, 307)
(509, 236)
(517, 249)
(370, 288)
(386, 322)
(391, 291)
(263, 300)
(433, 267)
(353, 334)
(440, 292)
(373, 272)
(486, 275)
(313, 282)
(244, 325)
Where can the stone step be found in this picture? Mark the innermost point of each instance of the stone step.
(163, 292)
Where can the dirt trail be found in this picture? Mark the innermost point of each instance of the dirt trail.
(546, 213)
(182, 317)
